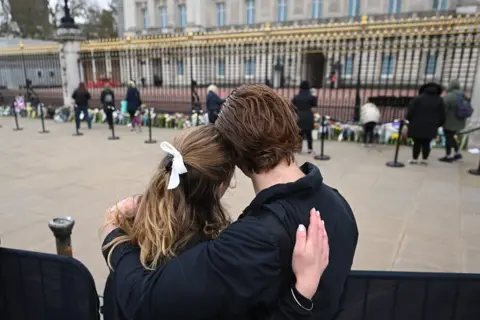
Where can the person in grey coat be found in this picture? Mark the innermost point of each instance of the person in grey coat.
(452, 124)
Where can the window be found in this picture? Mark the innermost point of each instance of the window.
(182, 16)
(388, 64)
(52, 74)
(145, 18)
(281, 10)
(250, 67)
(221, 14)
(348, 68)
(163, 17)
(221, 67)
(353, 8)
(179, 67)
(431, 65)
(317, 9)
(250, 6)
(394, 6)
(39, 74)
(439, 5)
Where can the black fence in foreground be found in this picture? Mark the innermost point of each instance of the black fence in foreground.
(39, 286)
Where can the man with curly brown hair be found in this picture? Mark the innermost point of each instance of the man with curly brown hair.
(248, 267)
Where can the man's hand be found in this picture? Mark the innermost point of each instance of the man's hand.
(310, 255)
(127, 208)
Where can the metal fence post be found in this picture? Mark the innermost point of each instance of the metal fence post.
(62, 230)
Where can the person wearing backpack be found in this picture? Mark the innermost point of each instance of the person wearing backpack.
(107, 98)
(457, 110)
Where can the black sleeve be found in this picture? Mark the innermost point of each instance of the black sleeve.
(441, 113)
(74, 94)
(313, 101)
(411, 110)
(223, 277)
(290, 309)
(102, 97)
(87, 95)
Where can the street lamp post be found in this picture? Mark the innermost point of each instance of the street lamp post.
(67, 22)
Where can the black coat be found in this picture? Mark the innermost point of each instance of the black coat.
(214, 104)
(304, 101)
(133, 99)
(426, 112)
(81, 97)
(104, 95)
(247, 269)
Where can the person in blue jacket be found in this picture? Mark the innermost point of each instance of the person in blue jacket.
(244, 272)
(133, 103)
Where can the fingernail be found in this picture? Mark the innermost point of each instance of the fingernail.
(301, 227)
(318, 213)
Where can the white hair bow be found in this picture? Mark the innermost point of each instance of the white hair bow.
(178, 166)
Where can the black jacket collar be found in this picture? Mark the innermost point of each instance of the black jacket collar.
(311, 181)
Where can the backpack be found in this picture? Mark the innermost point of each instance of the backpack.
(108, 98)
(464, 107)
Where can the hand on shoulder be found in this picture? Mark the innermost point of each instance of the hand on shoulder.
(310, 255)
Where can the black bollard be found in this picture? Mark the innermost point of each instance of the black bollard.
(395, 163)
(475, 172)
(322, 156)
(113, 137)
(77, 132)
(17, 127)
(150, 140)
(62, 230)
(42, 118)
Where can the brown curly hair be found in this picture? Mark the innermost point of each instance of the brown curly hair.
(260, 128)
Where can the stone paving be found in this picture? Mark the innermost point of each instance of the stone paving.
(412, 219)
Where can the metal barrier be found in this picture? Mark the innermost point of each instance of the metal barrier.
(39, 286)
(346, 60)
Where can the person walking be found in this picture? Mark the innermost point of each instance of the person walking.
(107, 98)
(369, 118)
(455, 121)
(214, 103)
(133, 103)
(81, 96)
(425, 115)
(304, 101)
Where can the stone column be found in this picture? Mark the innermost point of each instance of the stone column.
(474, 138)
(195, 15)
(69, 57)
(69, 36)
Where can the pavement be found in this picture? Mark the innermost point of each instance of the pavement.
(415, 218)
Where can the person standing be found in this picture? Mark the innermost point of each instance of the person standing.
(455, 121)
(369, 118)
(214, 103)
(425, 115)
(133, 103)
(304, 101)
(107, 98)
(81, 96)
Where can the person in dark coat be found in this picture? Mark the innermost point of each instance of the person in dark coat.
(304, 101)
(133, 103)
(214, 103)
(244, 272)
(425, 115)
(107, 98)
(81, 96)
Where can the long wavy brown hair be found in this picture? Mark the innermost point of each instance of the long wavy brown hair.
(166, 220)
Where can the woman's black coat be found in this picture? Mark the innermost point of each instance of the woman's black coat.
(426, 112)
(304, 101)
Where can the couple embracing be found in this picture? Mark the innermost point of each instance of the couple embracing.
(173, 252)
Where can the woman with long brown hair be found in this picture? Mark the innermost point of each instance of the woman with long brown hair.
(181, 207)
